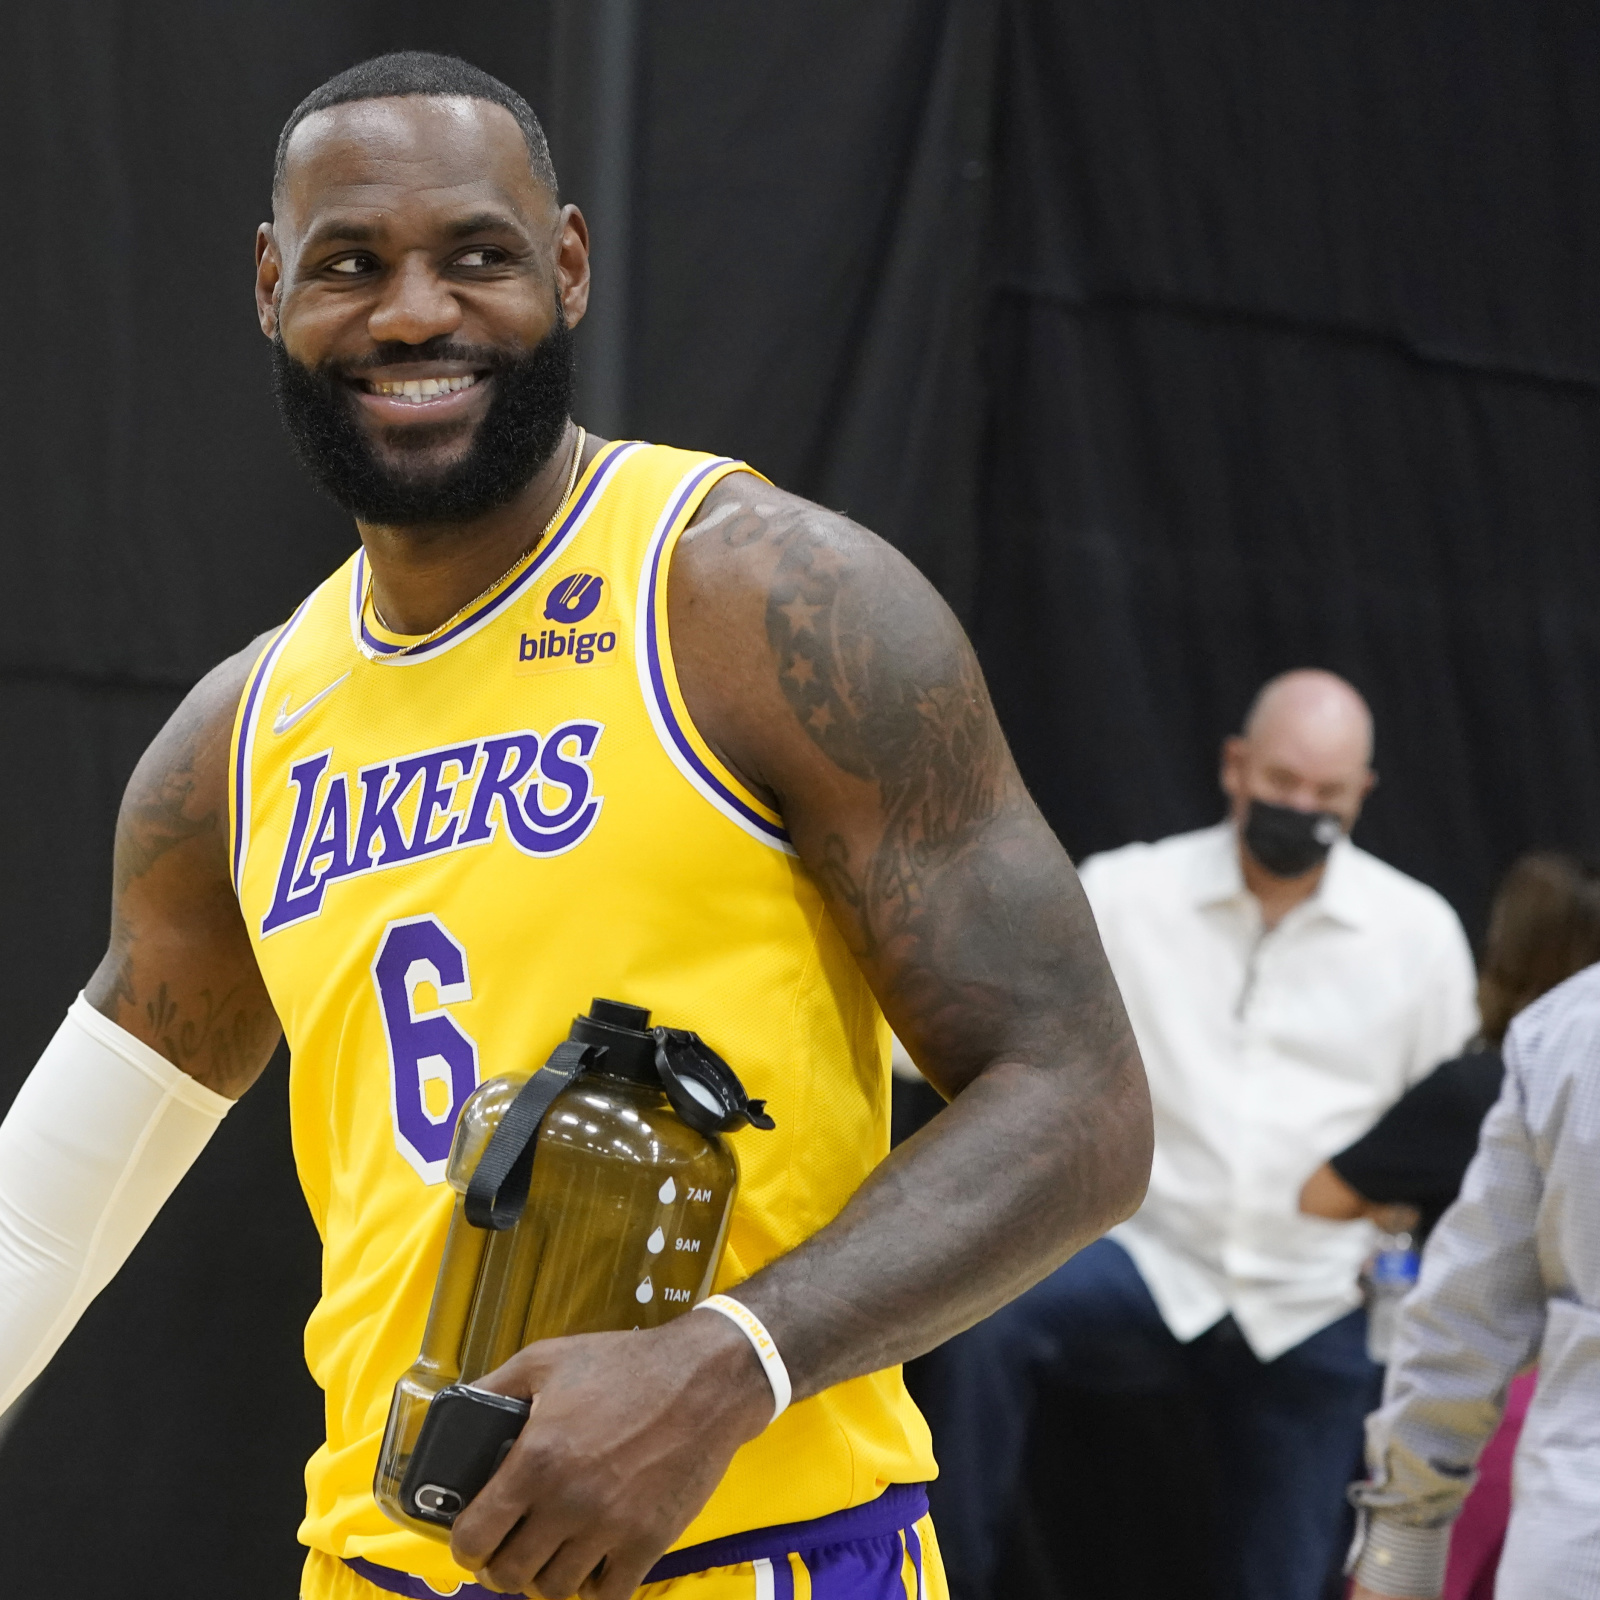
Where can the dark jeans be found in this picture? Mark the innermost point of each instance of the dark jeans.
(1284, 1435)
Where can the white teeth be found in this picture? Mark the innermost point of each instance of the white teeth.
(419, 389)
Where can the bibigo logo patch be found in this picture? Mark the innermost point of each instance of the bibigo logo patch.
(575, 598)
(579, 629)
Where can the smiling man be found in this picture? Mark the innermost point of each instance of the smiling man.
(580, 718)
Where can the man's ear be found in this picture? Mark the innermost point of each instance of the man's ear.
(1366, 790)
(269, 279)
(572, 264)
(1230, 777)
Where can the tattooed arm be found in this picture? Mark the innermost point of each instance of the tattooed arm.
(832, 679)
(828, 675)
(179, 973)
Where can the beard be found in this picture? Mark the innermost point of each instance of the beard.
(521, 427)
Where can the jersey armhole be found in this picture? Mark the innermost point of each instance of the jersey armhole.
(242, 745)
(658, 673)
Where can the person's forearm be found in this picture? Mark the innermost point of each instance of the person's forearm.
(1327, 1195)
(97, 1139)
(1025, 1167)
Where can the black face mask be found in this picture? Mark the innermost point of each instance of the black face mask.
(1289, 843)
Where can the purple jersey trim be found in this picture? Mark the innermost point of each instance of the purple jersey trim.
(607, 461)
(900, 1506)
(247, 739)
(773, 831)
(897, 1510)
(392, 1582)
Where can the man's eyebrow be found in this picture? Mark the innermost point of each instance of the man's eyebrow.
(485, 222)
(340, 230)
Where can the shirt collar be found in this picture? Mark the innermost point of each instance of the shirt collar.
(1218, 880)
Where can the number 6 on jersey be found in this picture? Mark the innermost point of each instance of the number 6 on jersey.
(433, 1064)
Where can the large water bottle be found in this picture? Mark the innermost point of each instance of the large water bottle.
(1390, 1277)
(592, 1195)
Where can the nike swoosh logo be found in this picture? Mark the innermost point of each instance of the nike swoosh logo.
(286, 718)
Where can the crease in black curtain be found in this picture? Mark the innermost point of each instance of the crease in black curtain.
(1112, 301)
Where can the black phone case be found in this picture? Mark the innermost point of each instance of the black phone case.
(463, 1440)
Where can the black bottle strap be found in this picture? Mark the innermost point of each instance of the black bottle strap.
(498, 1189)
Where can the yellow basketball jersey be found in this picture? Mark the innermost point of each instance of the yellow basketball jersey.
(444, 849)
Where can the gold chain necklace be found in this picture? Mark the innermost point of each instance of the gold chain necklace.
(370, 599)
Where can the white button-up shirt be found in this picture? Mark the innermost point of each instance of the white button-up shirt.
(1268, 1052)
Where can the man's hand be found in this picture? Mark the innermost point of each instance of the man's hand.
(1362, 1592)
(630, 1433)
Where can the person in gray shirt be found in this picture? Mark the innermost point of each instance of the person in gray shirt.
(1511, 1275)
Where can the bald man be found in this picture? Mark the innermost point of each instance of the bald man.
(1285, 988)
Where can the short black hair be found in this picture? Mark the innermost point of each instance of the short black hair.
(420, 72)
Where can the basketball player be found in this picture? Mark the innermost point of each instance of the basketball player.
(580, 718)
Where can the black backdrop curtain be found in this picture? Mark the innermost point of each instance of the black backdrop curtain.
(1293, 348)
(1178, 344)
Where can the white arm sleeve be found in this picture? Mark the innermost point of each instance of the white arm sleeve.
(95, 1141)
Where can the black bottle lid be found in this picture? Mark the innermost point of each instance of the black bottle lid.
(630, 1048)
(620, 1015)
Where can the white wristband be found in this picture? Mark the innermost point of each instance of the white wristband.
(752, 1327)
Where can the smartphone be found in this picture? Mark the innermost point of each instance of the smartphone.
(465, 1436)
